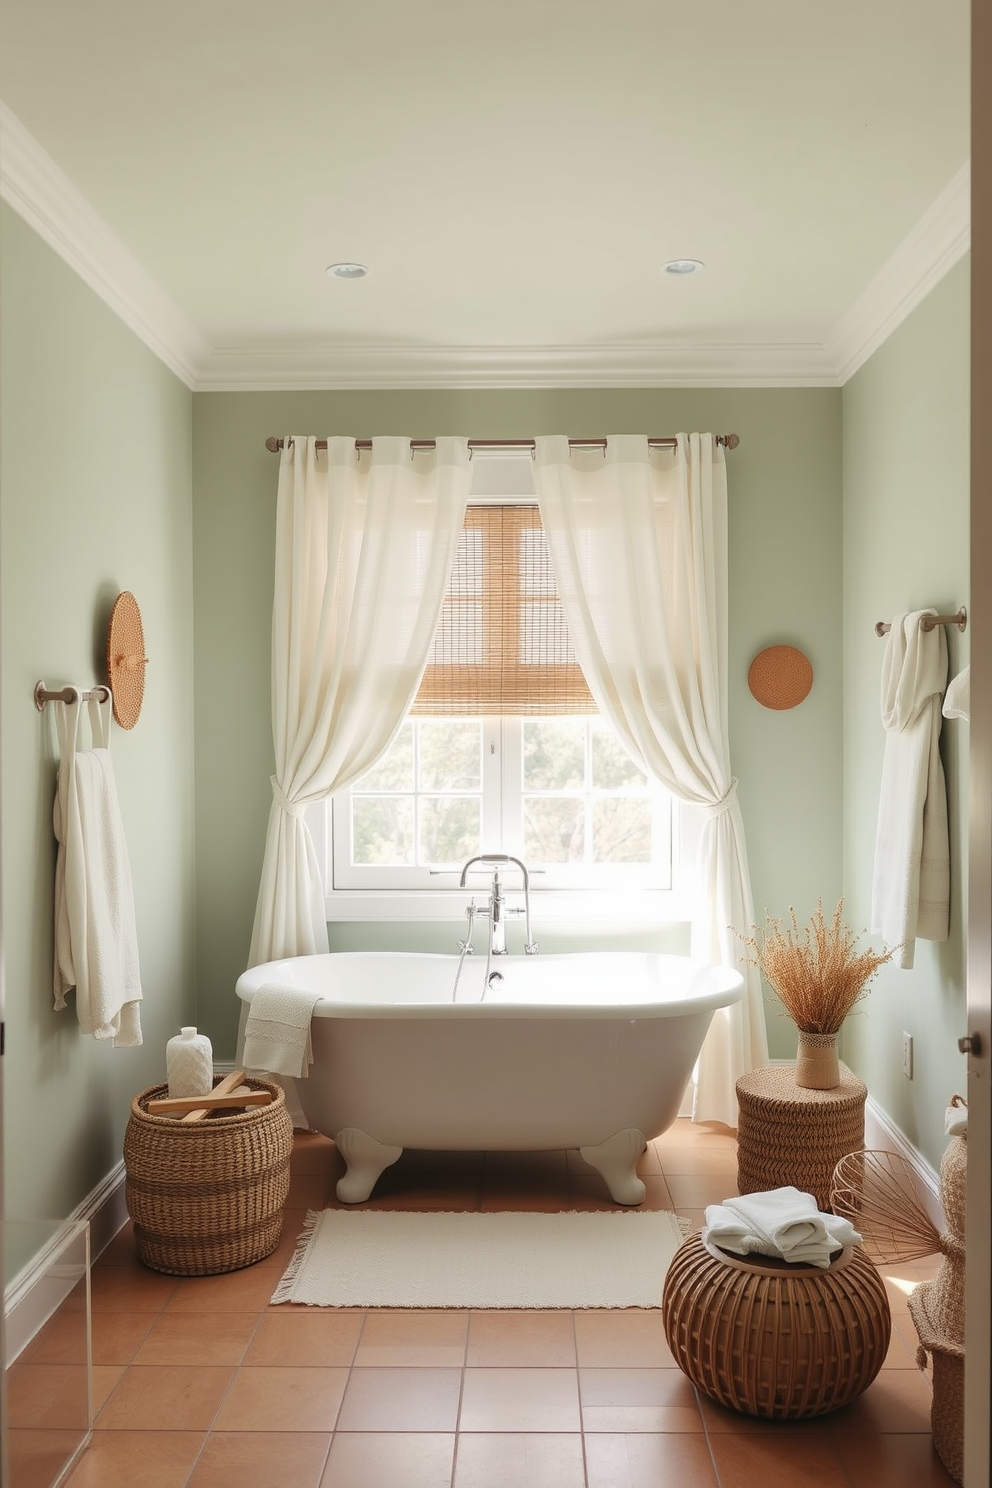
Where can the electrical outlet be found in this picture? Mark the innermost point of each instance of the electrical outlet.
(907, 1055)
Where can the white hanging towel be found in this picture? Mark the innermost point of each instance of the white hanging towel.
(957, 698)
(96, 944)
(911, 881)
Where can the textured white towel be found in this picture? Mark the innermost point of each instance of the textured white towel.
(911, 881)
(96, 944)
(277, 1033)
(784, 1223)
(957, 698)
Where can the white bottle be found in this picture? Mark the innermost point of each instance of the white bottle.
(189, 1063)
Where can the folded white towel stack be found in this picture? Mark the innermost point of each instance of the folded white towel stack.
(784, 1223)
(277, 1032)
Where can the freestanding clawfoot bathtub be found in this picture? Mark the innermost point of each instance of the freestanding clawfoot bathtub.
(591, 1050)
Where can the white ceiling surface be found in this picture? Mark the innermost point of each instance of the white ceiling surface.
(514, 174)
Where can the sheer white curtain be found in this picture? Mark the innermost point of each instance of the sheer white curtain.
(638, 541)
(364, 547)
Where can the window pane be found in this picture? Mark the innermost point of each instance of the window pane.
(554, 830)
(612, 766)
(621, 831)
(395, 770)
(450, 829)
(382, 829)
(451, 754)
(554, 753)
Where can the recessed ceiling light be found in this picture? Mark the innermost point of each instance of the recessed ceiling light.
(684, 266)
(347, 271)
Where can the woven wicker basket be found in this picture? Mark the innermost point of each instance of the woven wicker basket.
(947, 1414)
(792, 1135)
(771, 1339)
(207, 1196)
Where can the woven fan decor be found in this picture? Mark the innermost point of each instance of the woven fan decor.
(780, 677)
(126, 659)
(879, 1194)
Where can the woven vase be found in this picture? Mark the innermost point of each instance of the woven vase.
(817, 1062)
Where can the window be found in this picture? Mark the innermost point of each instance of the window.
(559, 792)
(503, 750)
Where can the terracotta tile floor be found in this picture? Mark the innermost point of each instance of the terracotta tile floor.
(201, 1384)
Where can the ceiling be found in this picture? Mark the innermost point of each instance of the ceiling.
(514, 175)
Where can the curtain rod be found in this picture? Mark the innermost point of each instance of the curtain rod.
(666, 441)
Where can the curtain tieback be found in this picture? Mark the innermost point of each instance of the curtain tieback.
(717, 808)
(291, 808)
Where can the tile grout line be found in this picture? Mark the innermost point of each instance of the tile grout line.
(220, 1404)
(578, 1390)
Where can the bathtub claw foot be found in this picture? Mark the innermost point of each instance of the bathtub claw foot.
(616, 1161)
(366, 1159)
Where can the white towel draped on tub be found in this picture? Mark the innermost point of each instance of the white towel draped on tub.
(277, 1032)
(911, 882)
(96, 943)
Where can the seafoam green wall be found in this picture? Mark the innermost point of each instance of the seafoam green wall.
(785, 582)
(96, 491)
(906, 546)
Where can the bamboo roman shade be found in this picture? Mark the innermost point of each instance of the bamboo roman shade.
(501, 645)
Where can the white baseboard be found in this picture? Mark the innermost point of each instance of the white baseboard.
(40, 1287)
(882, 1135)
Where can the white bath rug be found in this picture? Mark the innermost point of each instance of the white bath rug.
(390, 1258)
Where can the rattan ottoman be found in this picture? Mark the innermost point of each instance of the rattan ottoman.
(207, 1197)
(772, 1339)
(789, 1136)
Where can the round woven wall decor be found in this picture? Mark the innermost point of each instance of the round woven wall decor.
(780, 677)
(126, 659)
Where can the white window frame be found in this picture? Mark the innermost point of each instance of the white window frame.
(617, 899)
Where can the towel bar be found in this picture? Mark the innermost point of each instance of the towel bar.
(43, 694)
(927, 622)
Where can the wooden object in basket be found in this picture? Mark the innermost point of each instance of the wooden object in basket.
(223, 1087)
(183, 1105)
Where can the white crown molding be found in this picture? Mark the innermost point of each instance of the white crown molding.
(648, 365)
(940, 238)
(38, 191)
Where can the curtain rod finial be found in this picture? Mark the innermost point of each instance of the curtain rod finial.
(731, 441)
(272, 444)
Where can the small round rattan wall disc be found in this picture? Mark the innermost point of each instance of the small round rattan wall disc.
(780, 677)
(126, 659)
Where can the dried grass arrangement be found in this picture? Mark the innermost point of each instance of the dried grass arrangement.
(817, 972)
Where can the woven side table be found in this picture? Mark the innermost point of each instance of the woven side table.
(772, 1339)
(788, 1136)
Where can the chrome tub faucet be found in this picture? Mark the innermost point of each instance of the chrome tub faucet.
(497, 909)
